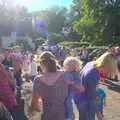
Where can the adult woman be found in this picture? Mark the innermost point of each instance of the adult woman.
(52, 87)
(90, 77)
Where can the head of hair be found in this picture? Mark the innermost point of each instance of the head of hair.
(46, 54)
(108, 63)
(72, 64)
(48, 62)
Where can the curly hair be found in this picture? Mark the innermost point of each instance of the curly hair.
(72, 63)
(47, 60)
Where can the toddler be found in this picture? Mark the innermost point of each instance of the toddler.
(100, 101)
(72, 66)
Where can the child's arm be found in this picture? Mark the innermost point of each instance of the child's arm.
(78, 87)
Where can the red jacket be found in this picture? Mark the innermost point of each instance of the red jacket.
(102, 75)
(7, 96)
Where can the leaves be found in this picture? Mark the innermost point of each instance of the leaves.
(53, 17)
(100, 19)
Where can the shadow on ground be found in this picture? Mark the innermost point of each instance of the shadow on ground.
(115, 86)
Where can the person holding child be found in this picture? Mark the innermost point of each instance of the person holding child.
(90, 77)
(51, 86)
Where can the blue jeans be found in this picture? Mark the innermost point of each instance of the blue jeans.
(86, 111)
(69, 108)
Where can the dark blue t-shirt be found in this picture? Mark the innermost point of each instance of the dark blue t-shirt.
(89, 77)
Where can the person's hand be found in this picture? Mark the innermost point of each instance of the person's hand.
(82, 88)
(30, 111)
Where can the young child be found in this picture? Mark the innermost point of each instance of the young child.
(103, 77)
(100, 101)
(72, 66)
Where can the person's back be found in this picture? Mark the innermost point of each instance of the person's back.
(53, 97)
(52, 88)
(86, 100)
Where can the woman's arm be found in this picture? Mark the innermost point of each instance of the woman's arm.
(71, 82)
(35, 102)
(78, 87)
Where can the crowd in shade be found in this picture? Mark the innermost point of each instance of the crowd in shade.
(61, 78)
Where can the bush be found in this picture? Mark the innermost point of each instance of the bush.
(55, 38)
(90, 49)
(2, 50)
(75, 44)
(39, 41)
(26, 45)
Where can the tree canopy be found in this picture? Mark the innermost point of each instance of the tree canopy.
(94, 20)
(99, 20)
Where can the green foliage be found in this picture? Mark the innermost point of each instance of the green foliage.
(90, 49)
(26, 45)
(39, 41)
(2, 50)
(99, 20)
(55, 38)
(53, 17)
(75, 44)
(23, 43)
(14, 18)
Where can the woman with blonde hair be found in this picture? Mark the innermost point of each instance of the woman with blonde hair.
(52, 87)
(90, 78)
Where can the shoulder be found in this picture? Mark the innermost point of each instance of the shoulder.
(37, 83)
(89, 69)
(67, 77)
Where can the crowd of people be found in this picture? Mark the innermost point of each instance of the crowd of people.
(59, 81)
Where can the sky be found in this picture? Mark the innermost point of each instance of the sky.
(34, 5)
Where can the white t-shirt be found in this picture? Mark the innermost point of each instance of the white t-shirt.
(33, 68)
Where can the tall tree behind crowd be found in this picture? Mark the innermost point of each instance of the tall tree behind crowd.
(99, 20)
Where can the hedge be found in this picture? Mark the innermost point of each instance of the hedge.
(90, 49)
(75, 44)
(39, 41)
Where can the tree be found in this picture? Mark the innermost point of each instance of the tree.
(100, 20)
(14, 19)
(53, 18)
(68, 29)
(5, 18)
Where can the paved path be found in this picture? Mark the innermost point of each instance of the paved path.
(112, 109)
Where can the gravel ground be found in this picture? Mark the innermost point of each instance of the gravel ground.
(111, 111)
